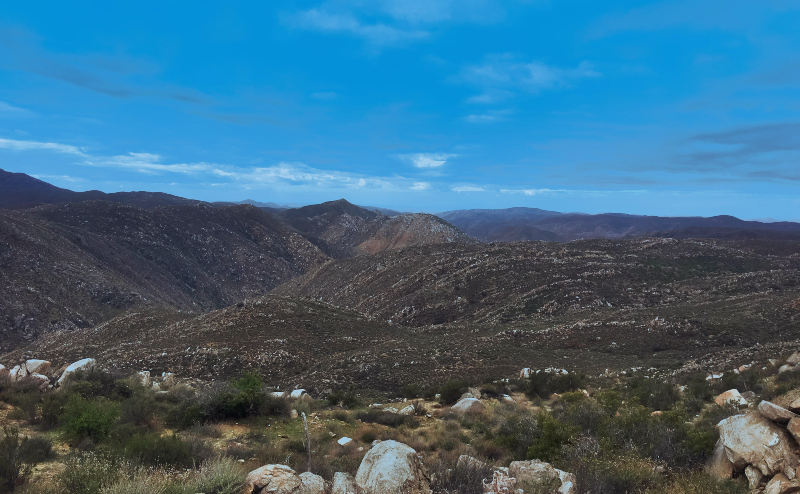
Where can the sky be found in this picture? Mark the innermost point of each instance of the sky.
(671, 108)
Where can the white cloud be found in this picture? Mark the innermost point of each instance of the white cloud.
(488, 117)
(378, 34)
(467, 188)
(7, 110)
(421, 186)
(531, 192)
(500, 74)
(15, 145)
(427, 160)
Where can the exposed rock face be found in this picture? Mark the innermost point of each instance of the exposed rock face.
(18, 372)
(719, 465)
(754, 477)
(343, 483)
(753, 439)
(468, 405)
(144, 378)
(42, 381)
(3, 371)
(794, 428)
(37, 366)
(409, 410)
(536, 471)
(272, 479)
(732, 395)
(774, 412)
(86, 364)
(391, 467)
(780, 484)
(793, 359)
(311, 484)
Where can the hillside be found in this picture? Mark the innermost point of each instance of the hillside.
(75, 265)
(343, 229)
(515, 224)
(18, 190)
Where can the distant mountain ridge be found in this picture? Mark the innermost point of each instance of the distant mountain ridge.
(516, 224)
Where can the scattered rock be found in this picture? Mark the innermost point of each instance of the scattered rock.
(719, 465)
(542, 473)
(468, 405)
(392, 467)
(780, 484)
(18, 372)
(409, 410)
(143, 377)
(344, 441)
(311, 484)
(793, 359)
(775, 413)
(732, 395)
(168, 380)
(272, 479)
(785, 368)
(41, 380)
(343, 483)
(37, 366)
(299, 394)
(754, 477)
(525, 373)
(293, 414)
(748, 395)
(86, 364)
(755, 440)
(3, 371)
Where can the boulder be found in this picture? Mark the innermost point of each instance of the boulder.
(343, 483)
(409, 410)
(754, 477)
(41, 380)
(143, 377)
(475, 392)
(732, 395)
(391, 467)
(794, 428)
(748, 395)
(525, 373)
(18, 372)
(3, 371)
(793, 359)
(299, 394)
(775, 413)
(719, 465)
(311, 483)
(785, 368)
(86, 364)
(755, 440)
(468, 405)
(37, 366)
(780, 484)
(344, 441)
(168, 380)
(543, 474)
(272, 479)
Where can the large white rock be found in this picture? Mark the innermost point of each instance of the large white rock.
(311, 483)
(272, 479)
(752, 439)
(37, 366)
(3, 371)
(468, 405)
(793, 359)
(18, 372)
(86, 364)
(775, 413)
(42, 381)
(143, 377)
(730, 396)
(343, 483)
(780, 484)
(391, 467)
(719, 465)
(409, 410)
(536, 471)
(525, 373)
(299, 393)
(754, 477)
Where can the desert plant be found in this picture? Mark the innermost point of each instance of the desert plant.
(88, 473)
(18, 456)
(93, 419)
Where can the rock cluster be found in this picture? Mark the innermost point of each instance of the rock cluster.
(762, 444)
(41, 372)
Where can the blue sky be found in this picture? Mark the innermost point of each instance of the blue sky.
(667, 108)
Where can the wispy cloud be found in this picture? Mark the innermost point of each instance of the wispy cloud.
(426, 160)
(16, 145)
(7, 110)
(421, 186)
(531, 192)
(500, 75)
(467, 188)
(378, 33)
(489, 117)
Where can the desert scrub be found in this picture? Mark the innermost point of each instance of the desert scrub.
(88, 473)
(18, 456)
(448, 475)
(374, 416)
(84, 418)
(544, 384)
(653, 393)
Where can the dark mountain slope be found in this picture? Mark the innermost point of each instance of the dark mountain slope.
(75, 265)
(18, 190)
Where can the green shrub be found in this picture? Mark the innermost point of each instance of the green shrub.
(448, 475)
(514, 429)
(157, 450)
(18, 456)
(53, 408)
(386, 418)
(451, 391)
(219, 476)
(544, 384)
(345, 398)
(411, 391)
(93, 419)
(552, 436)
(655, 394)
(87, 473)
(98, 383)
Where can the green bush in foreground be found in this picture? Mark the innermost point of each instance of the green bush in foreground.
(84, 418)
(18, 456)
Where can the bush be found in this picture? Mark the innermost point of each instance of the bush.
(411, 391)
(97, 383)
(386, 418)
(93, 419)
(552, 436)
(544, 384)
(448, 475)
(156, 450)
(653, 393)
(18, 456)
(451, 391)
(344, 398)
(53, 408)
(219, 476)
(514, 429)
(87, 473)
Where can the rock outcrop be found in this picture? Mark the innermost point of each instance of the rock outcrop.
(37, 366)
(311, 483)
(468, 405)
(752, 439)
(343, 483)
(272, 479)
(391, 467)
(780, 484)
(543, 474)
(775, 413)
(730, 396)
(86, 364)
